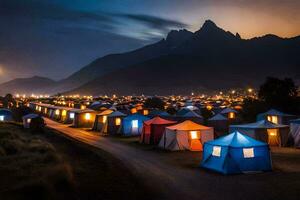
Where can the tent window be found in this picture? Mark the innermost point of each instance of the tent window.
(273, 119)
(1, 118)
(118, 121)
(146, 112)
(216, 151)
(134, 123)
(57, 112)
(72, 115)
(28, 121)
(87, 116)
(64, 113)
(248, 152)
(231, 115)
(133, 110)
(104, 118)
(194, 135)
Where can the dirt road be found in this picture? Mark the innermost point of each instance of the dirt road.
(175, 182)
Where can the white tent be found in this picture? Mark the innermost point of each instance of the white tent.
(27, 119)
(295, 132)
(186, 136)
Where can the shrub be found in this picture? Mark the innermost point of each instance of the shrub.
(12, 147)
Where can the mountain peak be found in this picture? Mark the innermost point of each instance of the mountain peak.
(208, 24)
(176, 37)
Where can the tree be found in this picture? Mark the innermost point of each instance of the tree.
(279, 94)
(8, 101)
(154, 102)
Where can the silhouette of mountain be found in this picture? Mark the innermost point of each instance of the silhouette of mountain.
(35, 84)
(208, 59)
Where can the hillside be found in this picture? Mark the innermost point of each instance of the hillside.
(209, 59)
(31, 85)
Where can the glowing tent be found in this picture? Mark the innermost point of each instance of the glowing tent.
(186, 136)
(27, 119)
(133, 124)
(275, 117)
(5, 115)
(109, 122)
(236, 153)
(295, 132)
(84, 118)
(153, 129)
(265, 131)
(229, 113)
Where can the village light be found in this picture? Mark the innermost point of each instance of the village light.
(1, 118)
(57, 112)
(233, 91)
(250, 90)
(104, 119)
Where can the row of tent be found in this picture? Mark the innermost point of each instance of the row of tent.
(268, 129)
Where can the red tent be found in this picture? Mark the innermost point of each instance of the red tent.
(153, 129)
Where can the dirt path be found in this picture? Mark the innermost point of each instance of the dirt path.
(175, 182)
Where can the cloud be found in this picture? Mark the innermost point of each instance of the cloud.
(155, 22)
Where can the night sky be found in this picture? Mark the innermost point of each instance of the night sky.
(54, 38)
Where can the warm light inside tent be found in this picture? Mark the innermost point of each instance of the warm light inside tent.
(272, 132)
(209, 107)
(87, 116)
(45, 110)
(28, 121)
(40, 108)
(146, 112)
(135, 124)
(104, 118)
(248, 152)
(273, 119)
(82, 107)
(273, 137)
(133, 110)
(64, 113)
(118, 121)
(216, 151)
(194, 135)
(57, 112)
(231, 115)
(72, 115)
(1, 118)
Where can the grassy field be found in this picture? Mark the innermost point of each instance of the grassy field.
(49, 166)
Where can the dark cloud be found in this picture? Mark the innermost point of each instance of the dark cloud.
(155, 22)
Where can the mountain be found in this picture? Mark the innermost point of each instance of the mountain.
(113, 62)
(209, 59)
(36, 84)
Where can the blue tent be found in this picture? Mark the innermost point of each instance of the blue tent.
(133, 124)
(236, 153)
(5, 115)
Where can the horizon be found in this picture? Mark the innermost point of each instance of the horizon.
(55, 39)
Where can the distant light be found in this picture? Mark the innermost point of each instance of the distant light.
(192, 94)
(233, 91)
(2, 118)
(250, 90)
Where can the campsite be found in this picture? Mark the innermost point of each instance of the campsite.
(149, 100)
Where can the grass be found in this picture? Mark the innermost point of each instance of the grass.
(49, 166)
